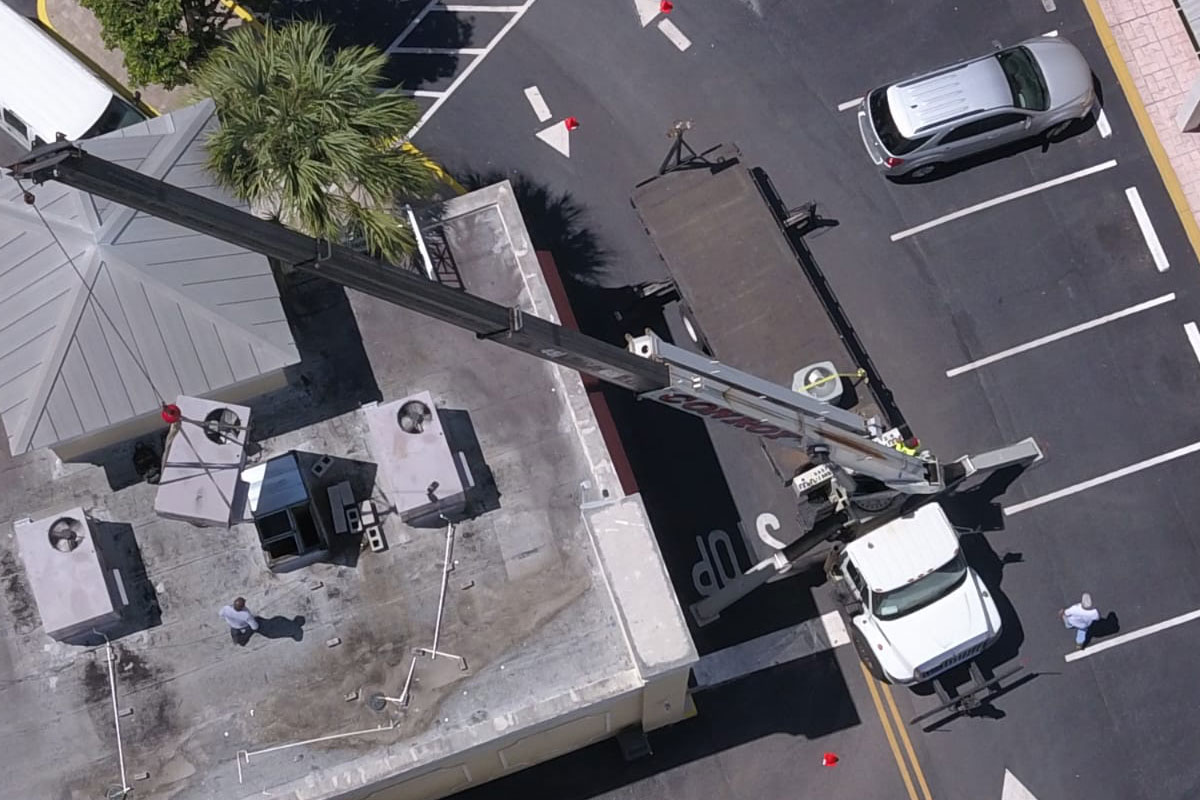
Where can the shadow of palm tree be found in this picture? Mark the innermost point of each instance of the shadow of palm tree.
(556, 224)
(378, 23)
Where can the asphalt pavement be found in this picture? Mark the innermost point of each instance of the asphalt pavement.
(1043, 314)
(771, 76)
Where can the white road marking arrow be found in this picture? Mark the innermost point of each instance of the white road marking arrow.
(1013, 789)
(558, 137)
(647, 10)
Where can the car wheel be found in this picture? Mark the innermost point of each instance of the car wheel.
(923, 171)
(1056, 132)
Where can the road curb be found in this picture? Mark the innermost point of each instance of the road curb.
(43, 17)
(1157, 152)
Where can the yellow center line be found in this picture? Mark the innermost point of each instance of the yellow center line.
(912, 757)
(887, 730)
(1145, 125)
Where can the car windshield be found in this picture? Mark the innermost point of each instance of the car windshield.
(922, 592)
(885, 126)
(1024, 79)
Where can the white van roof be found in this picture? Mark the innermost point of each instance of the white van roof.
(43, 84)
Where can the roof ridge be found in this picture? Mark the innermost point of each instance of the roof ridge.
(51, 367)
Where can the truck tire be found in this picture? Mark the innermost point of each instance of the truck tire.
(865, 654)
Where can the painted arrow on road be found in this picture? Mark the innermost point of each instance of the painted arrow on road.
(1013, 789)
(558, 137)
(647, 10)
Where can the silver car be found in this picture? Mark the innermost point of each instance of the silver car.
(1037, 88)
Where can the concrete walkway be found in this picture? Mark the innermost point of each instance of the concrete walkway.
(79, 29)
(1154, 50)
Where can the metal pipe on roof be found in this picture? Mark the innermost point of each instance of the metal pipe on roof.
(112, 688)
(446, 567)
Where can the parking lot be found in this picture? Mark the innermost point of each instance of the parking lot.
(1033, 294)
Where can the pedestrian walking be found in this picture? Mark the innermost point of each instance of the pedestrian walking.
(1080, 617)
(242, 623)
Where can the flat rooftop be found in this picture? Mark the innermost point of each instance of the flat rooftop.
(539, 604)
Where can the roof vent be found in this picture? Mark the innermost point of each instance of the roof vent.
(414, 416)
(65, 534)
(221, 425)
(819, 381)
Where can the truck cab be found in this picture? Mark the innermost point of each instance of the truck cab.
(914, 606)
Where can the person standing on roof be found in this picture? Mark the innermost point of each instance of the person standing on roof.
(242, 623)
(1080, 617)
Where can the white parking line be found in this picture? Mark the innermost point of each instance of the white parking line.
(1193, 335)
(672, 32)
(1103, 479)
(1054, 337)
(1102, 125)
(849, 104)
(1148, 233)
(1037, 187)
(419, 93)
(438, 51)
(460, 9)
(534, 96)
(1125, 638)
(466, 73)
(1052, 33)
(771, 650)
(411, 26)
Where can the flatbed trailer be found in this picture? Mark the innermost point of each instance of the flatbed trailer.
(751, 294)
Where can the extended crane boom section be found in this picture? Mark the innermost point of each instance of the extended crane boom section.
(715, 391)
(70, 165)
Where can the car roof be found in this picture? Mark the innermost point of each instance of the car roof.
(904, 549)
(956, 92)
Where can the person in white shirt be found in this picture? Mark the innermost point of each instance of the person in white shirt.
(242, 623)
(1080, 617)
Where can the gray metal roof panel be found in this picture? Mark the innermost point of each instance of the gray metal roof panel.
(194, 313)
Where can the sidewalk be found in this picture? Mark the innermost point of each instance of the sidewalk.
(78, 28)
(1162, 65)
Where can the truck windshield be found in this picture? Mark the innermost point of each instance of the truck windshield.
(922, 592)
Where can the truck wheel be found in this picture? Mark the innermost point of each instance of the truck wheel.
(865, 655)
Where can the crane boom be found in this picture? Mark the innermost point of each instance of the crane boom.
(649, 367)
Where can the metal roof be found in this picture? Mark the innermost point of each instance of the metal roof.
(905, 549)
(195, 313)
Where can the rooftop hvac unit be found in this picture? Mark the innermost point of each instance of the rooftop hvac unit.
(74, 590)
(424, 477)
(205, 453)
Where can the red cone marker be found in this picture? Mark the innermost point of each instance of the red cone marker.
(829, 760)
(572, 123)
(665, 6)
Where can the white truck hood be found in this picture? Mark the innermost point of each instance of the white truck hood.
(960, 624)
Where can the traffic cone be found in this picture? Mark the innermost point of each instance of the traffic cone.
(665, 6)
(829, 760)
(572, 123)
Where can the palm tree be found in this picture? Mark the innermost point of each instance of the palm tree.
(306, 134)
